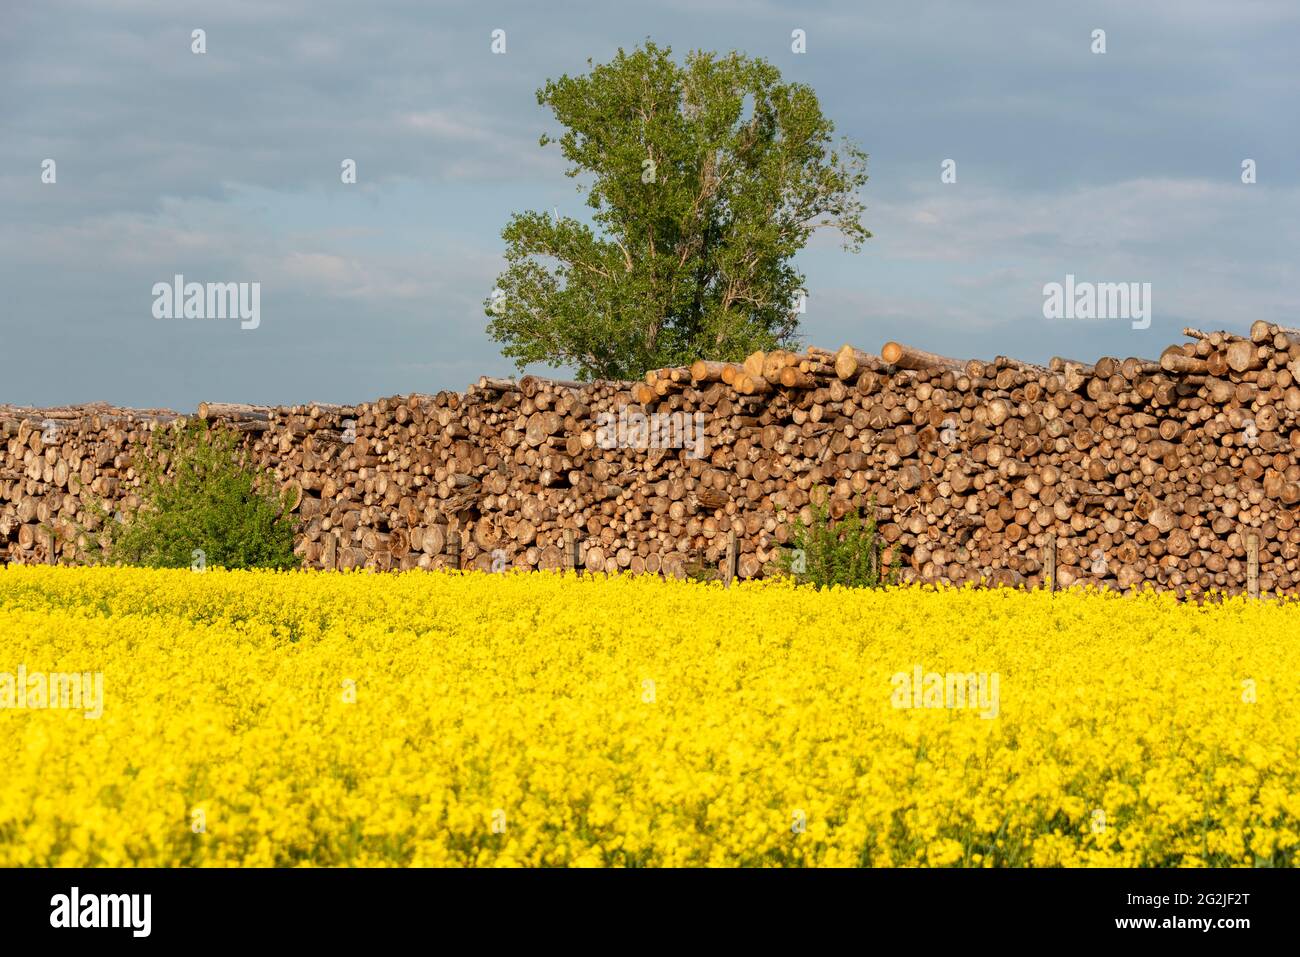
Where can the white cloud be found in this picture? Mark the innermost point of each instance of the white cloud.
(443, 125)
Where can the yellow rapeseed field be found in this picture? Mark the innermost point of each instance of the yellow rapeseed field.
(477, 719)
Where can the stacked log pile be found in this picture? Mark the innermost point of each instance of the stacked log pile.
(1171, 471)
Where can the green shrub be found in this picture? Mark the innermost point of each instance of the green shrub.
(847, 552)
(201, 494)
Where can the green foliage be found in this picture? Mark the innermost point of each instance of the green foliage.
(695, 570)
(201, 492)
(848, 552)
(704, 179)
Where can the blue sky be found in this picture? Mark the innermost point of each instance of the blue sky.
(1122, 167)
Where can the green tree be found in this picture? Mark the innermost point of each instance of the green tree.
(704, 180)
(847, 552)
(201, 492)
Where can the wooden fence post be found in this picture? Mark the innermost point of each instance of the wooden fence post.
(571, 563)
(329, 558)
(1049, 565)
(1252, 564)
(50, 556)
(729, 560)
(453, 547)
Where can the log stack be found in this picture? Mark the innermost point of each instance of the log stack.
(1141, 471)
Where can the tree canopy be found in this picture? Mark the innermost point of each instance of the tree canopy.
(703, 179)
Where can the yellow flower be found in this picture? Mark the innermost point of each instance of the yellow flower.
(448, 719)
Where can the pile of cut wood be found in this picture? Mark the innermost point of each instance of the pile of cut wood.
(1176, 472)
